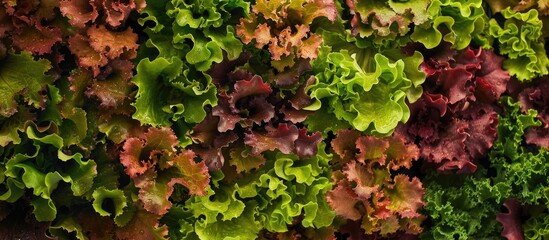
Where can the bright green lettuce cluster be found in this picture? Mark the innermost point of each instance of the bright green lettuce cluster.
(370, 99)
(186, 38)
(270, 198)
(38, 163)
(456, 22)
(521, 40)
(197, 32)
(169, 90)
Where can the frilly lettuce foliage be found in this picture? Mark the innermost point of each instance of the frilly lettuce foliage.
(169, 91)
(521, 40)
(463, 206)
(272, 197)
(524, 168)
(199, 32)
(373, 101)
(384, 21)
(284, 27)
(366, 192)
(457, 22)
(40, 164)
(186, 39)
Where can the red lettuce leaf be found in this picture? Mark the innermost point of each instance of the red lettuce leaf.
(86, 55)
(344, 144)
(79, 12)
(511, 220)
(118, 11)
(281, 138)
(343, 200)
(535, 97)
(210, 141)
(366, 190)
(455, 120)
(246, 88)
(113, 44)
(140, 154)
(113, 87)
(306, 145)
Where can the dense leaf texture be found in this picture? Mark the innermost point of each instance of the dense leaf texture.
(365, 190)
(155, 166)
(520, 39)
(455, 120)
(463, 206)
(386, 20)
(288, 189)
(373, 102)
(456, 22)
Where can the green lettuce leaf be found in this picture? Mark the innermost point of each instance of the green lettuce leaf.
(271, 197)
(521, 40)
(524, 168)
(170, 91)
(457, 22)
(198, 32)
(463, 206)
(44, 169)
(18, 73)
(372, 101)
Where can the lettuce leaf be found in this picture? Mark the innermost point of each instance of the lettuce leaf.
(16, 79)
(287, 190)
(284, 27)
(367, 192)
(455, 121)
(155, 165)
(370, 101)
(456, 22)
(531, 97)
(463, 206)
(386, 20)
(518, 165)
(521, 41)
(183, 92)
(199, 32)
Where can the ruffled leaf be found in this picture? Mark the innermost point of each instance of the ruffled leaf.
(288, 38)
(183, 95)
(373, 102)
(511, 220)
(281, 138)
(21, 73)
(525, 52)
(464, 20)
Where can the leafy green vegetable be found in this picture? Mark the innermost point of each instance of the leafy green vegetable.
(520, 39)
(197, 32)
(523, 169)
(169, 91)
(271, 197)
(19, 72)
(457, 22)
(370, 101)
(463, 206)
